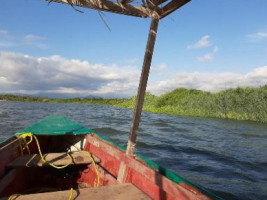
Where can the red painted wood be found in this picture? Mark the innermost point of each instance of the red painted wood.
(110, 156)
(146, 185)
(89, 176)
(151, 182)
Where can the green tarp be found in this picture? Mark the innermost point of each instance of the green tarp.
(56, 125)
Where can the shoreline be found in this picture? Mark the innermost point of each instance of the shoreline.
(168, 111)
(245, 104)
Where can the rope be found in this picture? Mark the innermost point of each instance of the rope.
(93, 161)
(25, 135)
(96, 171)
(71, 194)
(13, 196)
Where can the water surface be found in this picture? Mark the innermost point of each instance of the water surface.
(227, 157)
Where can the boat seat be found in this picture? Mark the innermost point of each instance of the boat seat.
(115, 192)
(59, 159)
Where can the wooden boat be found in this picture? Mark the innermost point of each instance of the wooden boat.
(95, 175)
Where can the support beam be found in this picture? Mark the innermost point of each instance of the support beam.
(158, 2)
(172, 6)
(152, 4)
(142, 85)
(109, 6)
(125, 1)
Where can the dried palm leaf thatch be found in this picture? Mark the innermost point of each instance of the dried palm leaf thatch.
(137, 8)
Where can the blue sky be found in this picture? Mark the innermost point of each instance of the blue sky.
(207, 44)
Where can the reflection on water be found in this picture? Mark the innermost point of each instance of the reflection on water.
(225, 156)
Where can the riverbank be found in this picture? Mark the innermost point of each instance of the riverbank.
(240, 103)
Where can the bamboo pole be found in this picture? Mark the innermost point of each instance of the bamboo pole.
(141, 95)
(142, 85)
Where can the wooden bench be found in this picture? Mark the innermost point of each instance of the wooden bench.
(59, 159)
(125, 191)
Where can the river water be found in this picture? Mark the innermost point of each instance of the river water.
(227, 157)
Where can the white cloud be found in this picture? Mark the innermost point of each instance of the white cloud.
(4, 32)
(8, 40)
(202, 43)
(6, 36)
(32, 38)
(159, 67)
(5, 44)
(216, 48)
(206, 58)
(212, 81)
(259, 36)
(130, 61)
(20, 73)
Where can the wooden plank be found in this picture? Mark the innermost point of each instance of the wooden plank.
(58, 159)
(172, 6)
(8, 178)
(109, 6)
(8, 152)
(9, 147)
(14, 181)
(10, 143)
(115, 192)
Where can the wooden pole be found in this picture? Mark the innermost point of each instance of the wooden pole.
(140, 96)
(142, 85)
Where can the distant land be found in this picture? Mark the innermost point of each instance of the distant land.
(55, 96)
(238, 103)
(92, 97)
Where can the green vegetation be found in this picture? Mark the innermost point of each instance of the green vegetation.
(240, 103)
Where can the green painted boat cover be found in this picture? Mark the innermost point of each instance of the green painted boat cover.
(56, 125)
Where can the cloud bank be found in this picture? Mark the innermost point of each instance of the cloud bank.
(21, 73)
(55, 75)
(212, 81)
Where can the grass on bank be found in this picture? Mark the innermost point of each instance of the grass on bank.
(240, 103)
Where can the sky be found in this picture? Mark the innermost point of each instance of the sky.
(53, 50)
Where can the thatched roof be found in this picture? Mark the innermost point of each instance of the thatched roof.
(138, 8)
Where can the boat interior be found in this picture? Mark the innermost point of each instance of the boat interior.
(80, 167)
